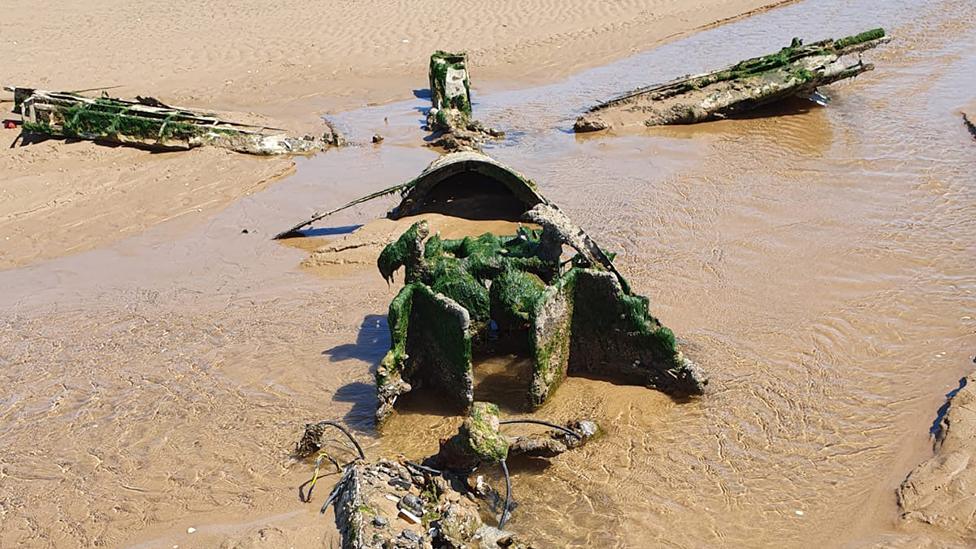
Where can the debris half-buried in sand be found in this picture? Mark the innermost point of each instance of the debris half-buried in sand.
(148, 123)
(436, 503)
(548, 292)
(450, 114)
(571, 315)
(795, 71)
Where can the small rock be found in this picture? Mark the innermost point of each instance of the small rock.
(412, 503)
(410, 535)
(399, 483)
(587, 428)
(190, 530)
(377, 138)
(244, 231)
(379, 521)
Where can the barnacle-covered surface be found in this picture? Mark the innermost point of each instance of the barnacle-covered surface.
(796, 70)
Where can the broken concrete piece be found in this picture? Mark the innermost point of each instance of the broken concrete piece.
(940, 490)
(450, 114)
(149, 123)
(795, 71)
(581, 321)
(553, 442)
(450, 88)
(477, 442)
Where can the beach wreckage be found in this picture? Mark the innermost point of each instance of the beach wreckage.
(549, 292)
(148, 123)
(795, 71)
(397, 503)
(449, 117)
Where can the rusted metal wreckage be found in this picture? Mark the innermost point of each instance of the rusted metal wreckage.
(548, 291)
(795, 71)
(149, 123)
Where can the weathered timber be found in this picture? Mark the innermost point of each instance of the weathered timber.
(149, 123)
(795, 71)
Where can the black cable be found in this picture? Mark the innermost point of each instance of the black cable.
(508, 496)
(335, 491)
(546, 423)
(362, 455)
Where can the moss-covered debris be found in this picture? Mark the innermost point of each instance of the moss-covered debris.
(463, 294)
(477, 442)
(795, 70)
(149, 123)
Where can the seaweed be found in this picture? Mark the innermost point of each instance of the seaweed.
(584, 320)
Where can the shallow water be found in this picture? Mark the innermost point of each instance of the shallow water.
(819, 265)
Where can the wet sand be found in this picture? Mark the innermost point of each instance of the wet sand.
(819, 265)
(290, 64)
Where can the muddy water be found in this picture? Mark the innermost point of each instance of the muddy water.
(819, 265)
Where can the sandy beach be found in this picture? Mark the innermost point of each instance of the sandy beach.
(289, 64)
(161, 354)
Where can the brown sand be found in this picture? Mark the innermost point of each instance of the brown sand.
(819, 265)
(290, 62)
(940, 490)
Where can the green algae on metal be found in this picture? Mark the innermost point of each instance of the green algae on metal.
(581, 321)
(794, 71)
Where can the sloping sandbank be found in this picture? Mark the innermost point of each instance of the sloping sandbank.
(939, 492)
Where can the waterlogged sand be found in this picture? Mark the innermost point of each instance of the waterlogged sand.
(818, 265)
(292, 62)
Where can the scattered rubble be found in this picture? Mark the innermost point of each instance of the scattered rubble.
(433, 504)
(795, 71)
(450, 114)
(149, 123)
(940, 490)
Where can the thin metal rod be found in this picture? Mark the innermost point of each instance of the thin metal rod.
(294, 230)
(545, 423)
(424, 468)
